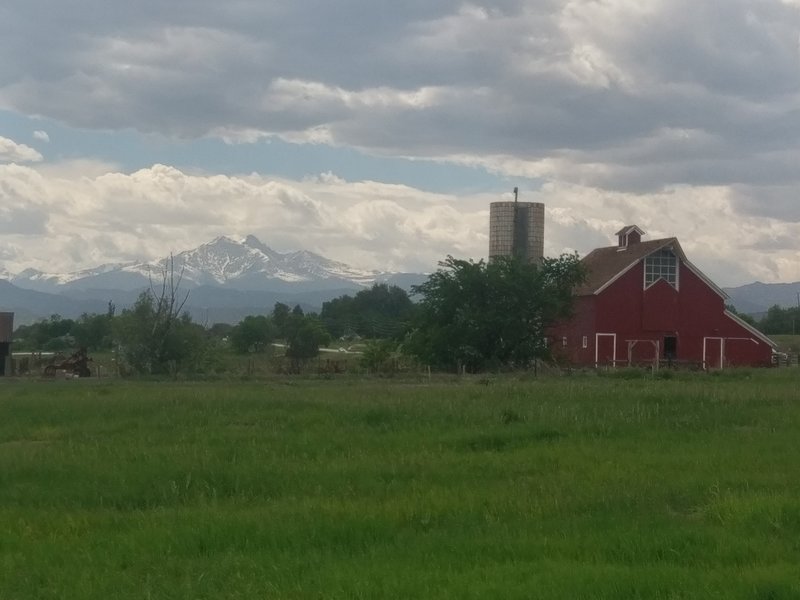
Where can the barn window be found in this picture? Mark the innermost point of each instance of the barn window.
(662, 264)
(564, 342)
(585, 341)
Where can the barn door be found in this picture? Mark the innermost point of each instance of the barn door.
(605, 349)
(713, 353)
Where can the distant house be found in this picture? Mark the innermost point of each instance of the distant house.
(644, 300)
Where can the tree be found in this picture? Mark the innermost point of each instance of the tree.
(281, 315)
(94, 332)
(53, 334)
(481, 316)
(90, 331)
(377, 355)
(148, 346)
(155, 336)
(339, 316)
(383, 311)
(305, 336)
(220, 330)
(779, 321)
(253, 334)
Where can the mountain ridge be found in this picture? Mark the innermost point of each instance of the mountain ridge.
(757, 297)
(228, 279)
(244, 264)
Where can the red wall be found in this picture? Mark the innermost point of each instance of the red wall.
(581, 324)
(690, 314)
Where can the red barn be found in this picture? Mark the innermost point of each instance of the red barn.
(644, 301)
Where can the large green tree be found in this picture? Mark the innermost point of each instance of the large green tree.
(94, 332)
(253, 334)
(281, 316)
(305, 335)
(382, 311)
(479, 315)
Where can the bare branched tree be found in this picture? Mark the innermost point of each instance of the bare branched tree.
(168, 303)
(155, 336)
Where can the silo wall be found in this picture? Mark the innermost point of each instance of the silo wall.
(516, 228)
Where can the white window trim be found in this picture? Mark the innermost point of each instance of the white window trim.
(677, 270)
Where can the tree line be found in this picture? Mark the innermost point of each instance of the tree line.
(467, 316)
(781, 321)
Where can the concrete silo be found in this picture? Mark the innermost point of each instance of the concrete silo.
(516, 229)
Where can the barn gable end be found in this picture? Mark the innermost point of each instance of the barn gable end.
(644, 301)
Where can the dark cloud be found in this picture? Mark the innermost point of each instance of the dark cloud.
(773, 201)
(613, 94)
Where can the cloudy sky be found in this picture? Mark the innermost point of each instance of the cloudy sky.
(377, 132)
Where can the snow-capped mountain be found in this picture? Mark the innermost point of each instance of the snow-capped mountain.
(226, 261)
(246, 264)
(228, 279)
(39, 280)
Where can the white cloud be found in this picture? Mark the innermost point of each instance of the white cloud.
(520, 86)
(10, 151)
(40, 135)
(113, 216)
(679, 115)
(60, 220)
(731, 247)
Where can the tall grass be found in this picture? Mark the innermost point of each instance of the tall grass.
(580, 487)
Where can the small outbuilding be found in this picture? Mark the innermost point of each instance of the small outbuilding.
(643, 302)
(6, 331)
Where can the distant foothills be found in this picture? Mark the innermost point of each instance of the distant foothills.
(227, 278)
(232, 278)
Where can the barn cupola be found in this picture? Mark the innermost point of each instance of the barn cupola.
(628, 236)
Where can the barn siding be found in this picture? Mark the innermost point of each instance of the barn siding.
(660, 307)
(691, 314)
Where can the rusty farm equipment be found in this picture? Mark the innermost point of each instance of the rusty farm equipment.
(75, 365)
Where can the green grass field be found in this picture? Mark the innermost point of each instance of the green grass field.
(573, 487)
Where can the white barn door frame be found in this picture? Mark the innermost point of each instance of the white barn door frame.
(597, 337)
